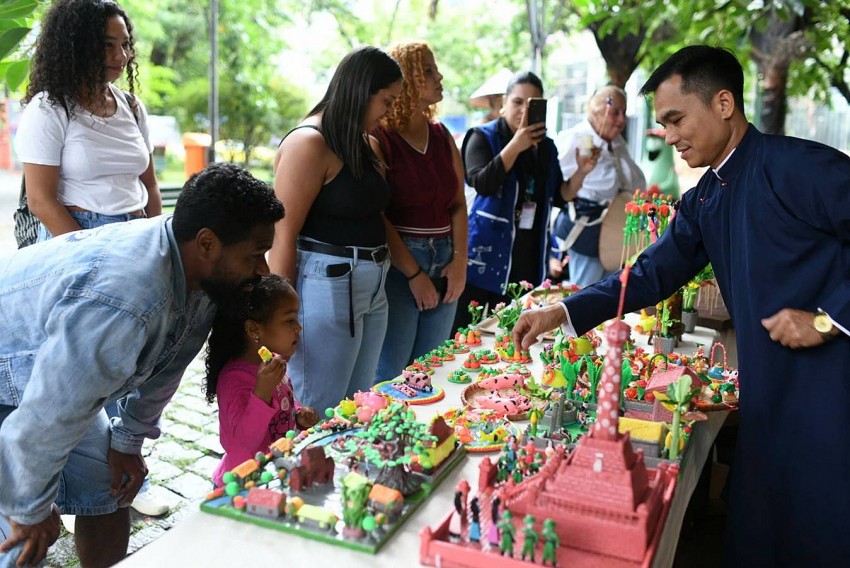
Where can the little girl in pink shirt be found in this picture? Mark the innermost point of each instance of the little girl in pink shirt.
(256, 403)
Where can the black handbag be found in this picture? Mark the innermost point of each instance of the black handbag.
(26, 224)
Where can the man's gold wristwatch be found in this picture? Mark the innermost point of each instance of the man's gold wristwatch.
(824, 326)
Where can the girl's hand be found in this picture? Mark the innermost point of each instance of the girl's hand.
(424, 293)
(455, 272)
(269, 376)
(306, 417)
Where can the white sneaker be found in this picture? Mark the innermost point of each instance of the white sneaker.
(148, 503)
(68, 522)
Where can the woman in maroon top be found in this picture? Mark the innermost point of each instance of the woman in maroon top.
(426, 219)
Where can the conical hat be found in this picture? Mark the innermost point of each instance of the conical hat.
(495, 85)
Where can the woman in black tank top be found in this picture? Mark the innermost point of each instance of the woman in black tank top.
(331, 243)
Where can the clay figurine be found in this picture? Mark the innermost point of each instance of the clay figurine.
(475, 525)
(530, 537)
(551, 542)
(508, 534)
(456, 522)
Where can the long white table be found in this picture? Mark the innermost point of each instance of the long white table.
(208, 540)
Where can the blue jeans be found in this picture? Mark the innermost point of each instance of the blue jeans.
(84, 482)
(331, 362)
(87, 220)
(586, 270)
(413, 333)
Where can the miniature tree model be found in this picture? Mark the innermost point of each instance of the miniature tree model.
(355, 494)
(678, 400)
(475, 311)
(393, 437)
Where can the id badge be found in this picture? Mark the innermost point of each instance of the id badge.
(526, 217)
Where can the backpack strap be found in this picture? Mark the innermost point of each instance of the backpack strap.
(131, 100)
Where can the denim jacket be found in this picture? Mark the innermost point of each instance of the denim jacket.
(85, 319)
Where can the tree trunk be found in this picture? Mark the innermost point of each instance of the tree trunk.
(774, 47)
(620, 54)
(398, 477)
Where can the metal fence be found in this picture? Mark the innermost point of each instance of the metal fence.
(830, 126)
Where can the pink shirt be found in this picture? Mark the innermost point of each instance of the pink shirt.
(247, 424)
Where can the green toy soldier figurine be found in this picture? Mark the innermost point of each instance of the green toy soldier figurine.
(508, 532)
(551, 542)
(530, 537)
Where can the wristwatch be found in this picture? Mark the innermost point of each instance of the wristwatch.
(824, 325)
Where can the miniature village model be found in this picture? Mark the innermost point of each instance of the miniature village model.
(346, 482)
(599, 505)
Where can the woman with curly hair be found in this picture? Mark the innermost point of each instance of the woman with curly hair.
(427, 223)
(83, 142)
(333, 236)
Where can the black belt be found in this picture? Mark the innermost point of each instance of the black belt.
(377, 255)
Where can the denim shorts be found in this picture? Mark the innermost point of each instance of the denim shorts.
(88, 220)
(85, 480)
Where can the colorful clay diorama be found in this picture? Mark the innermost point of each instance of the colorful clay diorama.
(481, 430)
(414, 387)
(506, 394)
(599, 505)
(342, 482)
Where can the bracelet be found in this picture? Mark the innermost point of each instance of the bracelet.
(415, 274)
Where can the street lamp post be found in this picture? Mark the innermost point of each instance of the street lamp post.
(213, 96)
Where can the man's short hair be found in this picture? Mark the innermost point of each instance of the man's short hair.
(226, 199)
(704, 70)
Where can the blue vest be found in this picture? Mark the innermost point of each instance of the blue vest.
(492, 223)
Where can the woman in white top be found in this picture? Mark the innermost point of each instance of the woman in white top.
(83, 142)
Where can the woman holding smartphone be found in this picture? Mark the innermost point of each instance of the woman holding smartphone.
(513, 167)
(332, 242)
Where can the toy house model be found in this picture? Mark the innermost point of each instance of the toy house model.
(246, 470)
(265, 502)
(315, 468)
(659, 383)
(385, 500)
(446, 441)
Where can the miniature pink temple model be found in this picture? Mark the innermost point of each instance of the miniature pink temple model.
(602, 497)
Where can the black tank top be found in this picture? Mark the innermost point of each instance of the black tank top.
(347, 211)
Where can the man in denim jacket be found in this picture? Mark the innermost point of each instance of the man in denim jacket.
(91, 316)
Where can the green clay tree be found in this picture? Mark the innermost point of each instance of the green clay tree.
(390, 442)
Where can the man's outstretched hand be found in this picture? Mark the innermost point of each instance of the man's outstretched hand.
(533, 323)
(36, 539)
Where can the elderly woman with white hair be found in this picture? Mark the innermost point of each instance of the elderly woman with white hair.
(594, 182)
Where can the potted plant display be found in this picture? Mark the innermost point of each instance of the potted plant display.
(665, 341)
(689, 312)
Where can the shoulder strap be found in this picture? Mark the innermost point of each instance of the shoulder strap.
(131, 100)
(22, 198)
(313, 126)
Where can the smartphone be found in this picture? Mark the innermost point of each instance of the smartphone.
(337, 270)
(536, 110)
